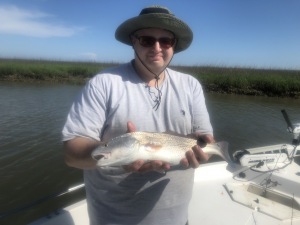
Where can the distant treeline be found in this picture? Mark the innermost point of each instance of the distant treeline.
(245, 81)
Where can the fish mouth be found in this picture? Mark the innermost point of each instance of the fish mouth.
(98, 157)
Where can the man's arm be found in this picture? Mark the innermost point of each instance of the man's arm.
(77, 152)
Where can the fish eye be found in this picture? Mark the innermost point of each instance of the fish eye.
(106, 145)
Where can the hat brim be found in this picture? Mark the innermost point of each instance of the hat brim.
(181, 30)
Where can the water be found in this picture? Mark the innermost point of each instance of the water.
(31, 159)
(248, 121)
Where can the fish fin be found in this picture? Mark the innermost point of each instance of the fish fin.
(224, 151)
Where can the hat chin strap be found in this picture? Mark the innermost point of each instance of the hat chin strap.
(156, 77)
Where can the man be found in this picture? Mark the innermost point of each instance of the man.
(143, 95)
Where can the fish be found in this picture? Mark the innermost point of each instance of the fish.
(127, 148)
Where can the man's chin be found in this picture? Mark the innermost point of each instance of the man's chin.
(157, 68)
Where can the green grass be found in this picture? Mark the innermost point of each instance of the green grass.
(48, 71)
(245, 81)
(248, 81)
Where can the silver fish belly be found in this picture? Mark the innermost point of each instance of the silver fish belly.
(127, 148)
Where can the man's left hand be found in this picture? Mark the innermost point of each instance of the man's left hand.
(196, 156)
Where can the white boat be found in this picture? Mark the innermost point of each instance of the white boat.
(260, 186)
(230, 194)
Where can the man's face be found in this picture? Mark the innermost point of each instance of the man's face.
(156, 53)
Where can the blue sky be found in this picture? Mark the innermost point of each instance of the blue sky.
(242, 33)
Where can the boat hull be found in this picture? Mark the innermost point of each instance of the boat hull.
(227, 194)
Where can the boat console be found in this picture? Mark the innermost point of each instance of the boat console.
(279, 155)
(268, 179)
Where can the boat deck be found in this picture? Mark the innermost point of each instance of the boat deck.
(217, 200)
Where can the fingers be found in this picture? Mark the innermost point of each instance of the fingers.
(155, 165)
(194, 157)
(130, 127)
(140, 166)
(184, 162)
(134, 167)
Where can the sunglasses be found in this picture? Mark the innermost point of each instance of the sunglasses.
(149, 41)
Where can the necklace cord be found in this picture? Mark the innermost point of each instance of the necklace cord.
(156, 76)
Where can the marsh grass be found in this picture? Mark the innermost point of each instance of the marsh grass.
(245, 81)
(49, 71)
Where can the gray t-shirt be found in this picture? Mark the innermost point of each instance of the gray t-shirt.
(102, 110)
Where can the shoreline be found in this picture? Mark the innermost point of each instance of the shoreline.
(225, 80)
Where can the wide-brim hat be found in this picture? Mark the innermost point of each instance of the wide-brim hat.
(156, 17)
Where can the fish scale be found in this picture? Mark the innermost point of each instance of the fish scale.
(129, 147)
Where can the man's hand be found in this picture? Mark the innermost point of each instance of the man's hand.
(196, 156)
(130, 127)
(140, 166)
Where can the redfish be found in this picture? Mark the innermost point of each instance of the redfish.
(127, 148)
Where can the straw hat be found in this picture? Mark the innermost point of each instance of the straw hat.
(156, 17)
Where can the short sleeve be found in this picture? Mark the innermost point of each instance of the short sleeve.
(87, 114)
(201, 120)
